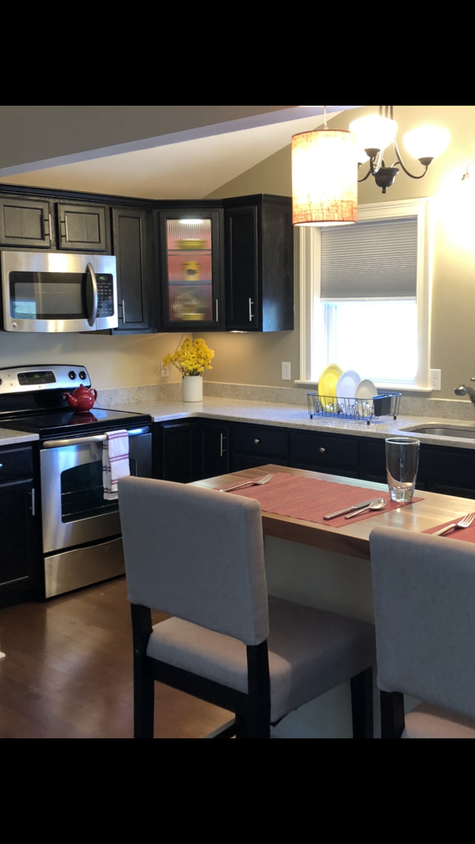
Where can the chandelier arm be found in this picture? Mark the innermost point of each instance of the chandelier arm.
(400, 161)
(369, 173)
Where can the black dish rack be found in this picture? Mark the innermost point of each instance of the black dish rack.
(362, 410)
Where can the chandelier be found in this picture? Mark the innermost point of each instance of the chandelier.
(376, 132)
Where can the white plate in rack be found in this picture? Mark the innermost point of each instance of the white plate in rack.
(346, 387)
(365, 392)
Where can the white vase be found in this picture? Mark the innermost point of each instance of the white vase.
(192, 387)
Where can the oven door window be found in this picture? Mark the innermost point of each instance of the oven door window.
(74, 510)
(82, 492)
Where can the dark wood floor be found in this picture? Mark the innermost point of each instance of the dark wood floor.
(68, 672)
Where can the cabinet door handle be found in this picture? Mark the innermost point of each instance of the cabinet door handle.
(33, 502)
(321, 450)
(123, 311)
(251, 315)
(1, 465)
(216, 310)
(256, 442)
(222, 440)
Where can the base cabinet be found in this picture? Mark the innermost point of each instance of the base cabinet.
(175, 451)
(215, 443)
(19, 523)
(449, 471)
(189, 450)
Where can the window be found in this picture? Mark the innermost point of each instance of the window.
(365, 296)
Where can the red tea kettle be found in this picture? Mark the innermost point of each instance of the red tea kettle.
(82, 399)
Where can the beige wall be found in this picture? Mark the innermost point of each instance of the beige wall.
(256, 359)
(453, 296)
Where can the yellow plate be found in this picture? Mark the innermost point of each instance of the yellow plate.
(327, 387)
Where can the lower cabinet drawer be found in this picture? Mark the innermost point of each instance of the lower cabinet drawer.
(254, 439)
(324, 452)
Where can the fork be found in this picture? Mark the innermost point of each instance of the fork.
(263, 480)
(463, 523)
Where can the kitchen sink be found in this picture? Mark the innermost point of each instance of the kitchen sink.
(443, 431)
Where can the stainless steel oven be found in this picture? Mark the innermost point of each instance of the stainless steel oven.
(80, 528)
(81, 540)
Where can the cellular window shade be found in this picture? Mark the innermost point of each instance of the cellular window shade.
(372, 260)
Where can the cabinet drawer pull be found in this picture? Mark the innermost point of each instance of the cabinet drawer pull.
(222, 440)
(322, 450)
(256, 442)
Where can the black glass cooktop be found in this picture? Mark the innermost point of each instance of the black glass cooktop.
(50, 423)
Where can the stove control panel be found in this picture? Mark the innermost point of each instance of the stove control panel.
(21, 379)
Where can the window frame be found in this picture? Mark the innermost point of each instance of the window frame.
(311, 321)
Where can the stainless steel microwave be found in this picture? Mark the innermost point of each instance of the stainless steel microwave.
(48, 292)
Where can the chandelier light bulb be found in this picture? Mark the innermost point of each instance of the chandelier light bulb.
(373, 132)
(426, 142)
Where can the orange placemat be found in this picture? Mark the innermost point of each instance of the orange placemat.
(310, 499)
(465, 534)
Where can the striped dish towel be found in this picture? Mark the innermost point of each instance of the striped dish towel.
(115, 462)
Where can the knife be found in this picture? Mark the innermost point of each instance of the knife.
(348, 509)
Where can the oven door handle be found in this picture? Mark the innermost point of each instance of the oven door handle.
(97, 438)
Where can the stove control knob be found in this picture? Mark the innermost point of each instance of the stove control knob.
(72, 375)
(83, 375)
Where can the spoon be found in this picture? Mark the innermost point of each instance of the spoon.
(377, 504)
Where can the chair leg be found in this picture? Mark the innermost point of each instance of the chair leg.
(362, 704)
(144, 684)
(392, 714)
(258, 717)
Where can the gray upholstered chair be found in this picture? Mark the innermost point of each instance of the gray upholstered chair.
(424, 603)
(198, 555)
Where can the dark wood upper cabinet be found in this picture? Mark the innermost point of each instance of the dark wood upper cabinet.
(25, 223)
(191, 267)
(259, 263)
(131, 239)
(185, 266)
(82, 228)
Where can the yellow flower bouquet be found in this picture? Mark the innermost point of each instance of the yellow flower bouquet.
(191, 358)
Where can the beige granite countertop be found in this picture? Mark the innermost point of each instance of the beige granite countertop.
(291, 416)
(8, 437)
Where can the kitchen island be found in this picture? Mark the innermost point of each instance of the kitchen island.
(329, 568)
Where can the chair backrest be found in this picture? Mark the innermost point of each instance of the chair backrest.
(424, 602)
(197, 554)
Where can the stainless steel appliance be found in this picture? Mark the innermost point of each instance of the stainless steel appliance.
(81, 540)
(58, 292)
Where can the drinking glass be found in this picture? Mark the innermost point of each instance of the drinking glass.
(402, 462)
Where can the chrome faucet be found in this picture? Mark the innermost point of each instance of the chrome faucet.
(466, 391)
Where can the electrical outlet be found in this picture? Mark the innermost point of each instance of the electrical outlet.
(286, 373)
(164, 370)
(435, 379)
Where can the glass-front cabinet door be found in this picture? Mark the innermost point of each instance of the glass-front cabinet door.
(191, 269)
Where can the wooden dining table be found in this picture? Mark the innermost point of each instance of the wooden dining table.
(329, 567)
(353, 539)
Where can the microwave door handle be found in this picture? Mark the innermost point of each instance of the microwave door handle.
(92, 306)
